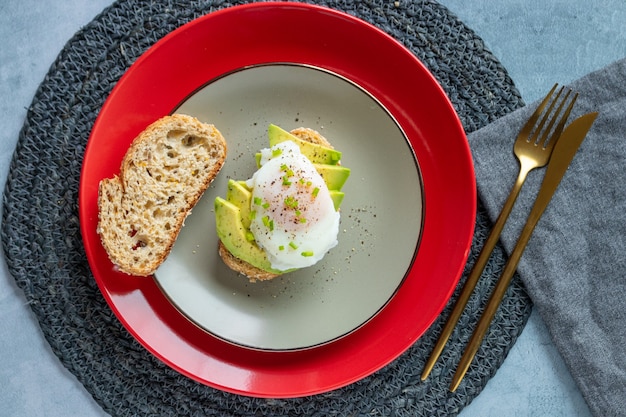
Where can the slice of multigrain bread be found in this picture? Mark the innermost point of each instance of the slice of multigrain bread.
(163, 174)
(252, 272)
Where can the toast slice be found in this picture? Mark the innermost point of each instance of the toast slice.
(163, 174)
(252, 272)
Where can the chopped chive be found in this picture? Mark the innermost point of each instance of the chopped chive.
(249, 236)
(291, 202)
(268, 223)
(276, 152)
(265, 205)
(281, 247)
(309, 183)
(286, 170)
(316, 190)
(307, 253)
(302, 220)
(252, 215)
(292, 245)
(286, 180)
(298, 213)
(258, 201)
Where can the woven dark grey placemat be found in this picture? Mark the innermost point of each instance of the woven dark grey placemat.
(44, 252)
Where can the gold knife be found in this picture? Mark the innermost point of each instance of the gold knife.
(563, 153)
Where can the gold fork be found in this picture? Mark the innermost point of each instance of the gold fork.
(563, 153)
(533, 148)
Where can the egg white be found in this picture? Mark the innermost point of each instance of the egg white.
(294, 220)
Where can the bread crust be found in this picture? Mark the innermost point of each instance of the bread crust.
(238, 265)
(163, 174)
(312, 136)
(244, 268)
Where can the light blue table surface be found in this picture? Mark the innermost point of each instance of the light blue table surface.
(540, 42)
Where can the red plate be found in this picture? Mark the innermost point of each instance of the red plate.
(261, 33)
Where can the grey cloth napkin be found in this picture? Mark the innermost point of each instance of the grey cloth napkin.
(574, 267)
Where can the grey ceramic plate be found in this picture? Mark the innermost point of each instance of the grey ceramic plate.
(380, 215)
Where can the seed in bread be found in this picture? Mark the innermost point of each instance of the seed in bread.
(163, 174)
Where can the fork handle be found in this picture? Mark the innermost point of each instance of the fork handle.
(477, 269)
(496, 297)
(562, 156)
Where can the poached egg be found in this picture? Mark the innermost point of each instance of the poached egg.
(293, 218)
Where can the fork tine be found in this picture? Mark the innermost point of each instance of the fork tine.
(559, 127)
(547, 130)
(539, 110)
(545, 117)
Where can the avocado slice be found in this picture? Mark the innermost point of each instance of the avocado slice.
(335, 176)
(232, 233)
(238, 194)
(316, 153)
(337, 197)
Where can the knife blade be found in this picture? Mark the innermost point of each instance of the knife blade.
(562, 156)
(564, 151)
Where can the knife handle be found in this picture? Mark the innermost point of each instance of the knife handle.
(477, 270)
(496, 297)
(563, 153)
